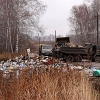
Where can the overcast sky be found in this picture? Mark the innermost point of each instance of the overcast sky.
(57, 14)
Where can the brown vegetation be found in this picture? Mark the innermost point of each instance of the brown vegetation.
(47, 84)
(6, 55)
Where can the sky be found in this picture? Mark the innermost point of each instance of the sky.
(56, 16)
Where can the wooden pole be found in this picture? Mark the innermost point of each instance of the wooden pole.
(97, 28)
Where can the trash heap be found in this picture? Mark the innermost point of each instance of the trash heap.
(20, 63)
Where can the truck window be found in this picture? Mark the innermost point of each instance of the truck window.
(98, 47)
(46, 47)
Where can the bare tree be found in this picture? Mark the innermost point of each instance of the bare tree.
(83, 22)
(18, 17)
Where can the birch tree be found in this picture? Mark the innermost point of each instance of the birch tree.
(18, 17)
(83, 23)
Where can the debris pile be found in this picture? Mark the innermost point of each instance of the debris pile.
(35, 61)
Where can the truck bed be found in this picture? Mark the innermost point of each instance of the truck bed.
(73, 50)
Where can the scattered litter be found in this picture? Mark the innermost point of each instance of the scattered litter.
(89, 71)
(96, 73)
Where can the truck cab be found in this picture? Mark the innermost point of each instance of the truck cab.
(96, 53)
(45, 50)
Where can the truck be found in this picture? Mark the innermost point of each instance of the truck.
(45, 50)
(64, 50)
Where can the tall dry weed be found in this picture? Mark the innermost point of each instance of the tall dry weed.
(48, 84)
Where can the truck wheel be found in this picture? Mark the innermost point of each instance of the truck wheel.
(78, 58)
(97, 59)
(69, 58)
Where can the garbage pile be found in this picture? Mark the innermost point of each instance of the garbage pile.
(22, 62)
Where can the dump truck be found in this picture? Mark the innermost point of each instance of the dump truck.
(65, 50)
(45, 50)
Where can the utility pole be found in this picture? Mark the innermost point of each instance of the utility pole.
(50, 38)
(38, 41)
(55, 35)
(97, 28)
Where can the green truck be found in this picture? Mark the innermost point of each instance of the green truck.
(64, 50)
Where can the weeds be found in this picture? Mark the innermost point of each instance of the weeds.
(48, 84)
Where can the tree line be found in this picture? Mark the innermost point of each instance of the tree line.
(17, 19)
(83, 22)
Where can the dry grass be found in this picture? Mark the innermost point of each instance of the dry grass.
(6, 55)
(48, 84)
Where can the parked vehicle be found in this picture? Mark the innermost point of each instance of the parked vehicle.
(45, 50)
(63, 49)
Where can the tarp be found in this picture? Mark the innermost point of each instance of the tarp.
(96, 73)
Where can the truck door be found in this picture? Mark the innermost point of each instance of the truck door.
(94, 49)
